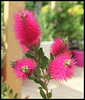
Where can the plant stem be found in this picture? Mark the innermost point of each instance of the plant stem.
(42, 71)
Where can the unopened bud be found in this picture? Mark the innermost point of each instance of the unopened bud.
(13, 63)
(22, 15)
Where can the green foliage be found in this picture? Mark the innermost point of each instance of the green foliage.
(42, 65)
(42, 93)
(30, 54)
(59, 22)
(44, 62)
(2, 6)
(40, 53)
(49, 94)
(51, 57)
(11, 92)
(40, 82)
(4, 87)
(15, 96)
(29, 5)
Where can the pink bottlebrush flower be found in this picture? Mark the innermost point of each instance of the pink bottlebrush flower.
(24, 68)
(26, 48)
(26, 27)
(62, 67)
(58, 46)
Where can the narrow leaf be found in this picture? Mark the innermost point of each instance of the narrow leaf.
(47, 77)
(51, 57)
(11, 92)
(38, 45)
(15, 96)
(31, 78)
(2, 64)
(40, 53)
(44, 62)
(42, 93)
(30, 54)
(49, 95)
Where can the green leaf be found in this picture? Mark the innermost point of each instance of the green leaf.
(5, 83)
(38, 45)
(36, 81)
(42, 93)
(15, 96)
(3, 89)
(5, 93)
(38, 69)
(51, 57)
(2, 64)
(36, 75)
(30, 54)
(7, 88)
(11, 92)
(49, 94)
(40, 53)
(47, 77)
(4, 97)
(43, 85)
(31, 78)
(44, 62)
(40, 82)
(1, 78)
(40, 87)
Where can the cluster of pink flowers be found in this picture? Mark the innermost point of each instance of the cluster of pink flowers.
(62, 67)
(28, 34)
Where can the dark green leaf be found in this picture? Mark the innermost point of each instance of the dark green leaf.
(36, 81)
(40, 87)
(40, 53)
(44, 62)
(7, 88)
(38, 45)
(42, 93)
(30, 54)
(49, 95)
(43, 84)
(47, 77)
(2, 65)
(31, 78)
(11, 92)
(15, 96)
(36, 75)
(51, 57)
(40, 82)
(38, 70)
